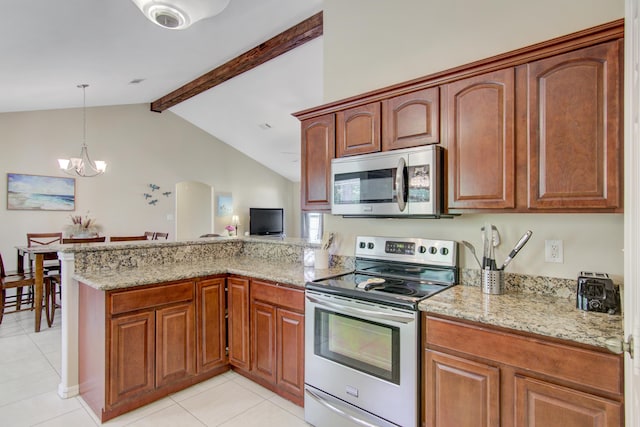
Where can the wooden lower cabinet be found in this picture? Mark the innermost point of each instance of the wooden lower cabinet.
(238, 321)
(175, 343)
(131, 356)
(211, 304)
(542, 404)
(476, 375)
(277, 338)
(461, 392)
(138, 345)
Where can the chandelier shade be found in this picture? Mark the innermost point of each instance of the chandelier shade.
(83, 166)
(179, 14)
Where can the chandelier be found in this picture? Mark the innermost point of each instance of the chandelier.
(179, 14)
(83, 165)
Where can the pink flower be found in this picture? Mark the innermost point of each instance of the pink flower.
(230, 228)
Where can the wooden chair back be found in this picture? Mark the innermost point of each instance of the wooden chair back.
(160, 236)
(149, 235)
(83, 239)
(126, 238)
(34, 239)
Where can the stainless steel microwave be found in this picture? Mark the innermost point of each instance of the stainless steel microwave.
(397, 183)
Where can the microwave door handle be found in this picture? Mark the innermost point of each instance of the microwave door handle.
(400, 190)
(355, 311)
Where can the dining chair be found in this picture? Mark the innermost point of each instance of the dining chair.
(83, 239)
(150, 235)
(126, 238)
(17, 282)
(51, 261)
(158, 235)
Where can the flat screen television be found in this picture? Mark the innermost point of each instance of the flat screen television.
(266, 221)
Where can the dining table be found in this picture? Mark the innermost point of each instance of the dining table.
(38, 254)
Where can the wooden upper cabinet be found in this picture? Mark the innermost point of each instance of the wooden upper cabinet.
(318, 148)
(358, 130)
(575, 146)
(481, 141)
(411, 120)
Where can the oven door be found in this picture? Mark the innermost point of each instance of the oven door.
(364, 357)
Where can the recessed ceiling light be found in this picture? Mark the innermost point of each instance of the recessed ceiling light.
(264, 126)
(136, 81)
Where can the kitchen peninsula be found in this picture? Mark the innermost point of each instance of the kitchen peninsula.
(144, 319)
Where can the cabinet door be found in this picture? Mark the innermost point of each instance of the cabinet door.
(175, 343)
(480, 140)
(290, 354)
(238, 321)
(211, 324)
(461, 392)
(318, 148)
(411, 120)
(575, 129)
(131, 356)
(263, 340)
(358, 130)
(541, 404)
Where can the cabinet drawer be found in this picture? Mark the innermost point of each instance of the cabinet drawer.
(589, 368)
(137, 299)
(280, 296)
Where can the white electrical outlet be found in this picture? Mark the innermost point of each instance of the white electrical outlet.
(553, 251)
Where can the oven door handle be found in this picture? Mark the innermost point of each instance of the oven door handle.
(338, 410)
(371, 313)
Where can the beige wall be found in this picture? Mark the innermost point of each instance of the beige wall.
(141, 147)
(369, 44)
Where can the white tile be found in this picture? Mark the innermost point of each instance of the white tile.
(10, 328)
(47, 340)
(28, 386)
(16, 348)
(200, 387)
(77, 418)
(17, 369)
(36, 409)
(265, 414)
(55, 360)
(140, 413)
(254, 387)
(172, 416)
(221, 403)
(289, 406)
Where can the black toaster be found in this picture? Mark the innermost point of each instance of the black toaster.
(596, 292)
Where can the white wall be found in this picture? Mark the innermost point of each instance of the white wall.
(141, 147)
(370, 44)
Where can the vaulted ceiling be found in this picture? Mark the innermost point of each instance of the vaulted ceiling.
(49, 47)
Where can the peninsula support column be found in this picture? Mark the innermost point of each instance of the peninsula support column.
(69, 385)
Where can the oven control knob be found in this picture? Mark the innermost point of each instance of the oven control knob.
(433, 250)
(444, 251)
(422, 249)
(369, 245)
(363, 245)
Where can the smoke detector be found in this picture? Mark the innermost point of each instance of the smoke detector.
(179, 14)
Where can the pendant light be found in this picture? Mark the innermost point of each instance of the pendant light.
(83, 166)
(179, 14)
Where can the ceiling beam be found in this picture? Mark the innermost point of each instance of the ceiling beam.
(295, 36)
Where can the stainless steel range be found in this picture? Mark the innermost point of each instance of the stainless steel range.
(362, 332)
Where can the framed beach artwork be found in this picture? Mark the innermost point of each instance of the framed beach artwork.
(40, 193)
(225, 204)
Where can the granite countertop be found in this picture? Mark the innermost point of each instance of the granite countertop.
(294, 274)
(539, 314)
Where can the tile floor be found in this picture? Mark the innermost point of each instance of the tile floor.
(30, 373)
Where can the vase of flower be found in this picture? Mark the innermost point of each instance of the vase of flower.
(82, 226)
(230, 230)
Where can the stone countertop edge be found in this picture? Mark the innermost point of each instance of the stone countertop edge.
(106, 246)
(538, 314)
(293, 274)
